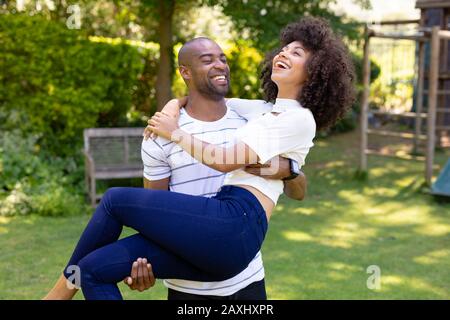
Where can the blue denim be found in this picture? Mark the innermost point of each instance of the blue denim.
(182, 236)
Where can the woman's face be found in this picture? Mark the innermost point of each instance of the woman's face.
(289, 66)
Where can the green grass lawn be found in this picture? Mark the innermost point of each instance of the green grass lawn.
(316, 249)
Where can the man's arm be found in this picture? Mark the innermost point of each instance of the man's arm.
(296, 188)
(162, 184)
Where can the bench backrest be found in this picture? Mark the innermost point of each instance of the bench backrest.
(114, 148)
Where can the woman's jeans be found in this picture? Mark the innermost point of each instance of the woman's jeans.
(182, 236)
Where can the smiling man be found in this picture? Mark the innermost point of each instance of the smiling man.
(211, 118)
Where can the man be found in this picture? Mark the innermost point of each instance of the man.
(208, 116)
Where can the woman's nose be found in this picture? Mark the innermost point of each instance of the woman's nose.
(282, 54)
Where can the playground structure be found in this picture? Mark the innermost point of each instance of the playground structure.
(432, 86)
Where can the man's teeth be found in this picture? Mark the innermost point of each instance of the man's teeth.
(219, 78)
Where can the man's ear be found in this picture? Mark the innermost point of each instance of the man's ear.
(185, 73)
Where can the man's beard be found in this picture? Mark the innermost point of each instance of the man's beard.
(208, 90)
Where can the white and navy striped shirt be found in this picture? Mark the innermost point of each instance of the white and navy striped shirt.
(163, 159)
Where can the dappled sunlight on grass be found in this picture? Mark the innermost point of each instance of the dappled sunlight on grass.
(4, 221)
(410, 284)
(297, 236)
(434, 230)
(304, 211)
(391, 168)
(339, 266)
(318, 248)
(345, 225)
(433, 257)
(352, 196)
(334, 275)
(279, 208)
(321, 143)
(390, 280)
(394, 214)
(346, 234)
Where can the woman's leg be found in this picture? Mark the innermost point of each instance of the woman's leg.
(217, 237)
(102, 269)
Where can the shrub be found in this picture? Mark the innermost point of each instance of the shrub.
(35, 182)
(55, 82)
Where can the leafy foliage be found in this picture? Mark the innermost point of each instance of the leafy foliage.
(55, 82)
(262, 21)
(31, 181)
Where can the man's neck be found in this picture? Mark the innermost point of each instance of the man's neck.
(203, 109)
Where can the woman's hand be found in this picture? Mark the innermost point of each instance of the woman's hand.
(163, 125)
(171, 108)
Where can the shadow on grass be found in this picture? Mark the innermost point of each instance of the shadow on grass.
(321, 248)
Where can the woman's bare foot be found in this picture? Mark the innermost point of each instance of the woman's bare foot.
(61, 291)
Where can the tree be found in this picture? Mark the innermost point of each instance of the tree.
(160, 21)
(262, 21)
(164, 76)
(255, 19)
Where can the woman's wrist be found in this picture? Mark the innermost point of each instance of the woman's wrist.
(180, 135)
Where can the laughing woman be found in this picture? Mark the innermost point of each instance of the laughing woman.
(310, 78)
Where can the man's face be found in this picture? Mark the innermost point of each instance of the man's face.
(209, 70)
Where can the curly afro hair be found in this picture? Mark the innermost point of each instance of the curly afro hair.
(329, 90)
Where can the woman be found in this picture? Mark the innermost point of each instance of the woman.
(211, 239)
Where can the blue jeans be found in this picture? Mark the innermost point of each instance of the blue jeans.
(182, 236)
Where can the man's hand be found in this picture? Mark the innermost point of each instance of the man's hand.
(142, 277)
(276, 168)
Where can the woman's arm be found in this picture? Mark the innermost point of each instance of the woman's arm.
(216, 157)
(249, 108)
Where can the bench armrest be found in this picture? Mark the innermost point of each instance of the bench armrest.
(89, 161)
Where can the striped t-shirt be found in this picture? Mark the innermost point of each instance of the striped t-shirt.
(163, 159)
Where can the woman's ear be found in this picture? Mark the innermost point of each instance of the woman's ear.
(185, 73)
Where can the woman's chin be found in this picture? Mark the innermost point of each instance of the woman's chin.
(275, 78)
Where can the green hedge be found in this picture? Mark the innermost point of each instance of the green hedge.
(32, 181)
(55, 82)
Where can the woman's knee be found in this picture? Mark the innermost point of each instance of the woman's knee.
(111, 198)
(88, 271)
(112, 194)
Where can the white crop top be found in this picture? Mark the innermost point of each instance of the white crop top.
(289, 133)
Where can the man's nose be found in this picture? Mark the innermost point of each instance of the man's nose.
(220, 65)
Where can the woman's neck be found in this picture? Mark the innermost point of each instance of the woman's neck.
(289, 93)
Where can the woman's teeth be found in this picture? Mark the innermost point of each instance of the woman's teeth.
(219, 78)
(282, 65)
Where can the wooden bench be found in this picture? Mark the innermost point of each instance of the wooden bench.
(111, 153)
